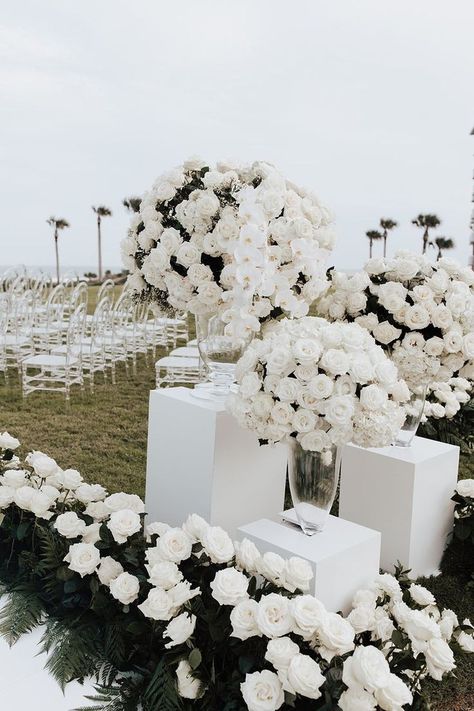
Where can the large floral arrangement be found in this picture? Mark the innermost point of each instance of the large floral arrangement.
(239, 237)
(324, 383)
(176, 618)
(423, 313)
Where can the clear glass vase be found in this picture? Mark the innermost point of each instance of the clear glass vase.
(414, 412)
(219, 351)
(313, 478)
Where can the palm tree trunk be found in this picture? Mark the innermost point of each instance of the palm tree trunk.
(370, 249)
(100, 248)
(425, 240)
(385, 244)
(56, 249)
(439, 253)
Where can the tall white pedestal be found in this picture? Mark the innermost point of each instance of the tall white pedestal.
(344, 557)
(403, 492)
(201, 461)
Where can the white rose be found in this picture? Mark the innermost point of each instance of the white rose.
(362, 619)
(335, 361)
(280, 652)
(125, 588)
(339, 410)
(108, 570)
(421, 595)
(71, 479)
(250, 385)
(304, 420)
(97, 510)
(188, 254)
(272, 567)
(321, 386)
(24, 496)
(247, 556)
(356, 699)
(307, 350)
(180, 629)
(417, 317)
(88, 493)
(181, 594)
(309, 615)
(262, 691)
(465, 488)
(441, 317)
(198, 274)
(434, 346)
(364, 598)
(40, 504)
(316, 441)
(287, 389)
(92, 533)
(15, 478)
(447, 623)
(229, 586)
(174, 545)
(273, 616)
(123, 524)
(420, 627)
(383, 626)
(466, 642)
(373, 397)
(298, 574)
(83, 558)
(70, 525)
(188, 686)
(170, 239)
(368, 668)
(164, 575)
(8, 442)
(7, 496)
(439, 658)
(336, 635)
(243, 620)
(157, 528)
(44, 466)
(394, 695)
(217, 544)
(304, 675)
(385, 333)
(388, 584)
(117, 502)
(468, 345)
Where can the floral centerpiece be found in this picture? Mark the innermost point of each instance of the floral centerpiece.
(240, 238)
(183, 618)
(317, 385)
(422, 313)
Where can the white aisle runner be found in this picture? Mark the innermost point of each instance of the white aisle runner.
(26, 686)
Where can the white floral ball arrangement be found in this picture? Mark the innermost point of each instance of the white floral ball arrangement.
(420, 311)
(323, 383)
(189, 619)
(239, 237)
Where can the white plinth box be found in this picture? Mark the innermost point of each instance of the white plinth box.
(201, 461)
(344, 557)
(403, 492)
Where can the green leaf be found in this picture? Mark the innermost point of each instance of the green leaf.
(195, 658)
(22, 613)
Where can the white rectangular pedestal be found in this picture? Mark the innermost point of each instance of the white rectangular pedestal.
(344, 557)
(403, 492)
(201, 461)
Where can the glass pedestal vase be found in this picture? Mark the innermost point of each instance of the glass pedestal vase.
(313, 478)
(414, 412)
(219, 350)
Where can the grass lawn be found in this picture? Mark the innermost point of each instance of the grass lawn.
(104, 436)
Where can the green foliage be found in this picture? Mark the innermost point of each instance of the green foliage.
(459, 430)
(22, 613)
(161, 693)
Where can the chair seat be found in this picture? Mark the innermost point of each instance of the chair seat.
(177, 362)
(186, 352)
(10, 339)
(80, 347)
(49, 361)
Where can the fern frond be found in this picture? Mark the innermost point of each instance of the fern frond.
(161, 693)
(22, 613)
(73, 648)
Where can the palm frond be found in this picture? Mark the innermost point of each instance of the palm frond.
(22, 613)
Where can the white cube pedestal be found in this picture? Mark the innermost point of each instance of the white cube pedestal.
(201, 461)
(403, 492)
(344, 557)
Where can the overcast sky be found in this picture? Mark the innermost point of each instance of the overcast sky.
(369, 103)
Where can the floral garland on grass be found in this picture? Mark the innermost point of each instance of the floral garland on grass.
(182, 618)
(236, 237)
(422, 313)
(324, 384)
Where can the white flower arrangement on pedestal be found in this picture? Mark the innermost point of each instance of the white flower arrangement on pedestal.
(323, 383)
(420, 311)
(240, 238)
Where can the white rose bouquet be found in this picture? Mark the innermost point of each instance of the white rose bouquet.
(236, 237)
(184, 613)
(422, 313)
(323, 383)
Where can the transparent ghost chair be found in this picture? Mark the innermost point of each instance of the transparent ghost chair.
(48, 329)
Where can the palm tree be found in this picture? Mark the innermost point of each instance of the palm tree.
(386, 224)
(101, 212)
(443, 243)
(373, 236)
(426, 222)
(59, 223)
(132, 204)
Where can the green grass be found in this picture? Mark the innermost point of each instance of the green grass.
(104, 436)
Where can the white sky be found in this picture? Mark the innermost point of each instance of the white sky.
(369, 103)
